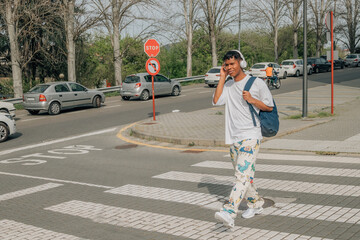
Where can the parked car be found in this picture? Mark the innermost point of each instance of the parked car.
(295, 67)
(56, 96)
(319, 64)
(338, 63)
(140, 86)
(6, 107)
(212, 77)
(352, 60)
(7, 126)
(258, 70)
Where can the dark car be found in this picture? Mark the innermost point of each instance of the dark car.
(339, 63)
(319, 64)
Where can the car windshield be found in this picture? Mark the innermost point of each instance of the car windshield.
(39, 89)
(214, 70)
(351, 56)
(132, 79)
(258, 66)
(287, 63)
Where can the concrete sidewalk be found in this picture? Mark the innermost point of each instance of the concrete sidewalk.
(339, 133)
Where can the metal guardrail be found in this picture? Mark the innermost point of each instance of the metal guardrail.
(115, 88)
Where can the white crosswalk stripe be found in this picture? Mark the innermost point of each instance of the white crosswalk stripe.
(271, 184)
(308, 211)
(27, 191)
(11, 230)
(306, 158)
(161, 223)
(340, 172)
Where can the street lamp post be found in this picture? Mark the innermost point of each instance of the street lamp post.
(305, 80)
(239, 21)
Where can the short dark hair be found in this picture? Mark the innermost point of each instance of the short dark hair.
(232, 54)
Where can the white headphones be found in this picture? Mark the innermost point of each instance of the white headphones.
(243, 63)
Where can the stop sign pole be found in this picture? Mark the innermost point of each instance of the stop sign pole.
(152, 49)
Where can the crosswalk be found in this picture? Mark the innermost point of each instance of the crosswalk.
(171, 225)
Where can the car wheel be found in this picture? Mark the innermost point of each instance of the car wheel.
(4, 132)
(33, 112)
(54, 108)
(342, 66)
(211, 85)
(278, 84)
(297, 74)
(329, 69)
(145, 95)
(4, 111)
(125, 98)
(97, 102)
(285, 75)
(316, 70)
(310, 71)
(175, 91)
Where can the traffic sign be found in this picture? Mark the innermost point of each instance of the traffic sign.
(152, 47)
(152, 66)
(328, 21)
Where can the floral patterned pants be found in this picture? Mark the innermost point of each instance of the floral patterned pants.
(243, 156)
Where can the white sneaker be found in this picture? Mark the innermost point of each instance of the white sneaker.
(226, 218)
(251, 212)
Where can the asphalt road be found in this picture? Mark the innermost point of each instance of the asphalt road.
(115, 112)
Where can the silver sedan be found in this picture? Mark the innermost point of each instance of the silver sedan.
(55, 96)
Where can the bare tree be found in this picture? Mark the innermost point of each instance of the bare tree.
(272, 12)
(76, 23)
(293, 7)
(319, 9)
(218, 15)
(350, 14)
(9, 9)
(117, 15)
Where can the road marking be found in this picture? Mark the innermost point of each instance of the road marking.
(270, 184)
(31, 119)
(11, 230)
(214, 202)
(27, 191)
(56, 180)
(112, 106)
(322, 171)
(161, 223)
(56, 141)
(306, 158)
(166, 194)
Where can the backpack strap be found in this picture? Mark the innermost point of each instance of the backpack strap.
(252, 110)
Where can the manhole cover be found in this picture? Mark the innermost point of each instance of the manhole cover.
(127, 146)
(192, 151)
(268, 203)
(148, 123)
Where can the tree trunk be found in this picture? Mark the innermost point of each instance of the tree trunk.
(189, 34)
(295, 44)
(211, 22)
(70, 43)
(14, 49)
(116, 43)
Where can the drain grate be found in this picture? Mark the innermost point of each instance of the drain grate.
(127, 146)
(192, 151)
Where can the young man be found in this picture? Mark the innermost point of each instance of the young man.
(241, 133)
(270, 73)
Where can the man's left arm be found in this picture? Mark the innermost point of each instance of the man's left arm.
(257, 103)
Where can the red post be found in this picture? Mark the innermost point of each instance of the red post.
(332, 62)
(153, 96)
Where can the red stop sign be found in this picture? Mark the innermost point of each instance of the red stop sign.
(151, 47)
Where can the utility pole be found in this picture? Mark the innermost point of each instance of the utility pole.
(239, 21)
(305, 80)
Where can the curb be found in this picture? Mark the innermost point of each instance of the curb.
(209, 142)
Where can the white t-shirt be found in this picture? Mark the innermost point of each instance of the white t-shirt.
(238, 121)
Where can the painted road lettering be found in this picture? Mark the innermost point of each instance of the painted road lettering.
(39, 158)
